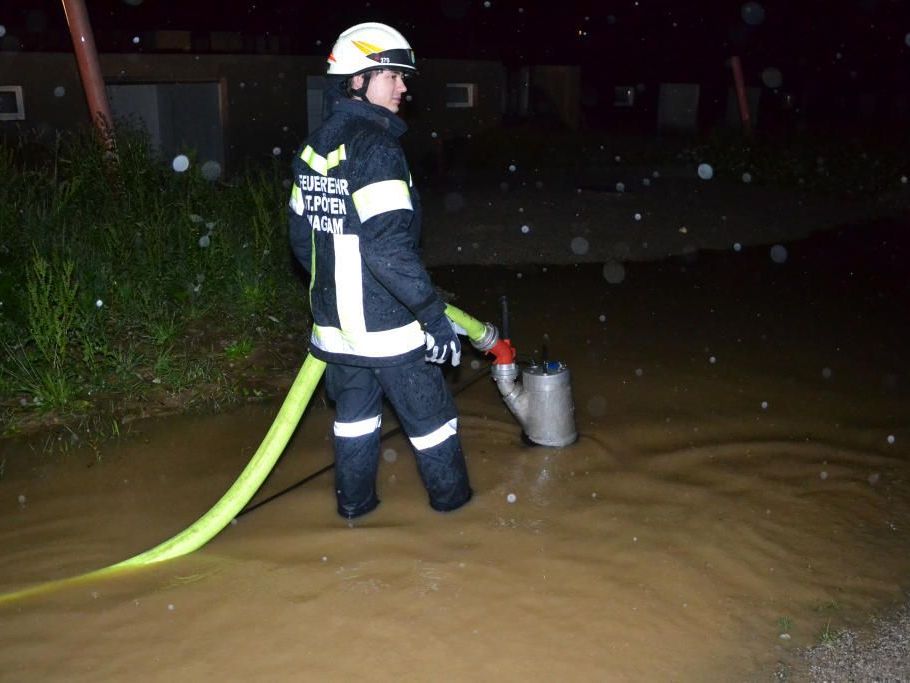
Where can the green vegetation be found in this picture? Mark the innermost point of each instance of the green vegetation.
(127, 285)
(784, 624)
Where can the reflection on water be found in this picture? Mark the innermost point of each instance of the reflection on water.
(739, 487)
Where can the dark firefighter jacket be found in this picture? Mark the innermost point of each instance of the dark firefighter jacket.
(355, 226)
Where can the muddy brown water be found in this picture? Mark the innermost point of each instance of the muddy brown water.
(741, 473)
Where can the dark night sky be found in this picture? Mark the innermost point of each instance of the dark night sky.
(840, 41)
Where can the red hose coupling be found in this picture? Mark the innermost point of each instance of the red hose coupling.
(503, 352)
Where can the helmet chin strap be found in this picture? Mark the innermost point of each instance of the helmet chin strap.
(360, 92)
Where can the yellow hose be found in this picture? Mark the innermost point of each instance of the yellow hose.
(206, 527)
(244, 488)
(475, 329)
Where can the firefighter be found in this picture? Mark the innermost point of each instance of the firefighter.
(378, 321)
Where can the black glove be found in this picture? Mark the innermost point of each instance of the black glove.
(442, 341)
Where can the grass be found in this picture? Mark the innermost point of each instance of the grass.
(828, 635)
(116, 282)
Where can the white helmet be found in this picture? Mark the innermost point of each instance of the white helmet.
(370, 46)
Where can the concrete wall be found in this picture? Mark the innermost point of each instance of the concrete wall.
(262, 97)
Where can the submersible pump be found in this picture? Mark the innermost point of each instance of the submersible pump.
(541, 400)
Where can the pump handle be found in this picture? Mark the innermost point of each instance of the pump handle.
(504, 305)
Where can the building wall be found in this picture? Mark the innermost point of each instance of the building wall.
(263, 97)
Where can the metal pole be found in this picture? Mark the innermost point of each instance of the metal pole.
(89, 69)
(741, 94)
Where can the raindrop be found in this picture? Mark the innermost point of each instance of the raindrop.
(487, 4)
(655, 174)
(98, 303)
(890, 439)
(602, 318)
(21, 499)
(873, 478)
(171, 607)
(737, 246)
(904, 180)
(638, 216)
(475, 364)
(778, 253)
(752, 13)
(614, 272)
(906, 39)
(59, 91)
(747, 177)
(639, 372)
(525, 229)
(705, 171)
(434, 135)
(579, 245)
(826, 373)
(764, 405)
(204, 241)
(823, 475)
(390, 455)
(646, 182)
(712, 360)
(511, 497)
(617, 158)
(620, 187)
(2, 30)
(211, 170)
(276, 151)
(180, 163)
(134, 3)
(772, 77)
(512, 168)
(135, 40)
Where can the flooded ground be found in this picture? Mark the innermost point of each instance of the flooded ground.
(740, 489)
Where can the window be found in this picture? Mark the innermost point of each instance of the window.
(460, 95)
(11, 107)
(623, 96)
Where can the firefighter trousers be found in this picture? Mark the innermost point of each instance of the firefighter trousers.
(423, 403)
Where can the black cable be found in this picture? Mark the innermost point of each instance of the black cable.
(457, 390)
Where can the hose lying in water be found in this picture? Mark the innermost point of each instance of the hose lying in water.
(244, 488)
(206, 527)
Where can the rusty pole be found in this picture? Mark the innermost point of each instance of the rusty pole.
(90, 69)
(741, 94)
